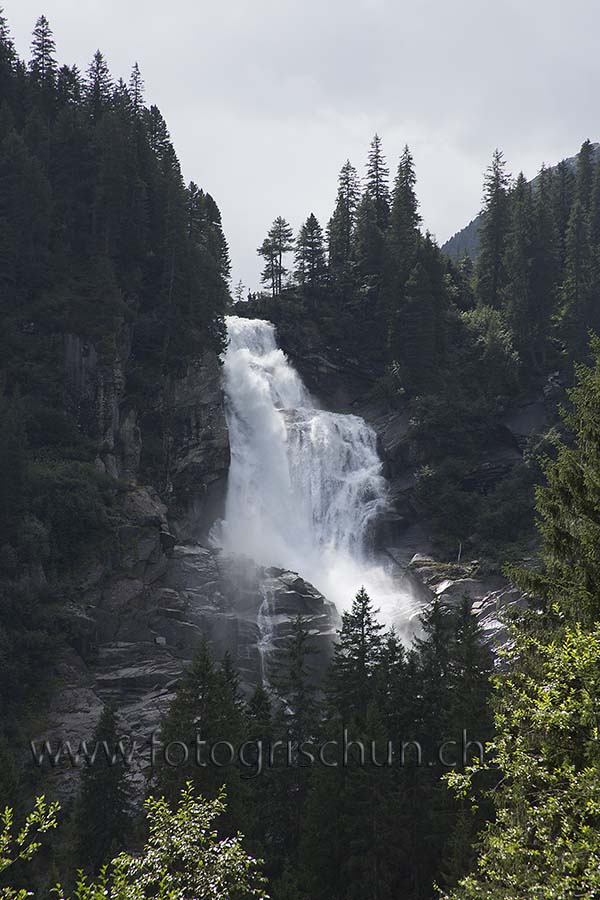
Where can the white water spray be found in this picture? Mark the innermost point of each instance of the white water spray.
(305, 486)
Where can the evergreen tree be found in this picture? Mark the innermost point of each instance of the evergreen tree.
(369, 242)
(585, 174)
(413, 336)
(405, 217)
(240, 290)
(102, 816)
(341, 225)
(270, 273)
(8, 59)
(377, 183)
(401, 256)
(99, 86)
(564, 191)
(491, 272)
(356, 656)
(526, 322)
(69, 86)
(207, 708)
(545, 271)
(43, 65)
(278, 242)
(577, 299)
(543, 839)
(311, 264)
(136, 91)
(295, 684)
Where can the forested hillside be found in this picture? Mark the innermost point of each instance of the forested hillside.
(108, 264)
(114, 276)
(454, 345)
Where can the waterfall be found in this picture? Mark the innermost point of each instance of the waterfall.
(305, 485)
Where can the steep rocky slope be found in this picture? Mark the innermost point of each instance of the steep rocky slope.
(142, 610)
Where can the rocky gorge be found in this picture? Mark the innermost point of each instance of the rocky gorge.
(142, 612)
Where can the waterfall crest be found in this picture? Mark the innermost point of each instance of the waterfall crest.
(305, 485)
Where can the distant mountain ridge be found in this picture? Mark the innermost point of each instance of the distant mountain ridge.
(466, 241)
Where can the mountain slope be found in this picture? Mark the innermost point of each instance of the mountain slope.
(466, 241)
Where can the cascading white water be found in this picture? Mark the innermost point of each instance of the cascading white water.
(305, 485)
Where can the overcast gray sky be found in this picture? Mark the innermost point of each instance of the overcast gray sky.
(265, 99)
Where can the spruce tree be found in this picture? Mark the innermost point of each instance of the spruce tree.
(519, 297)
(543, 839)
(491, 271)
(8, 59)
(278, 242)
(99, 86)
(545, 269)
(369, 242)
(585, 174)
(311, 263)
(43, 65)
(295, 684)
(405, 217)
(136, 91)
(563, 194)
(102, 816)
(356, 657)
(377, 183)
(341, 225)
(576, 291)
(207, 708)
(400, 258)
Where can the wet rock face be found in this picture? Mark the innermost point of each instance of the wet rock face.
(490, 595)
(198, 447)
(144, 624)
(184, 425)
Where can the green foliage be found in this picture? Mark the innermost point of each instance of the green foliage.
(183, 858)
(20, 846)
(544, 838)
(102, 816)
(491, 271)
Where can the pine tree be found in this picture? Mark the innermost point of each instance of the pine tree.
(564, 191)
(377, 183)
(8, 59)
(239, 292)
(413, 331)
(69, 86)
(356, 657)
(99, 86)
(43, 65)
(207, 708)
(434, 651)
(136, 91)
(491, 272)
(295, 684)
(568, 506)
(102, 816)
(278, 242)
(543, 838)
(519, 297)
(405, 217)
(311, 264)
(585, 174)
(545, 269)
(577, 299)
(403, 241)
(270, 273)
(369, 242)
(341, 225)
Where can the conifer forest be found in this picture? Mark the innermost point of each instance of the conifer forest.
(300, 580)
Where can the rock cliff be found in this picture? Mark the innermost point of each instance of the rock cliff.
(144, 609)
